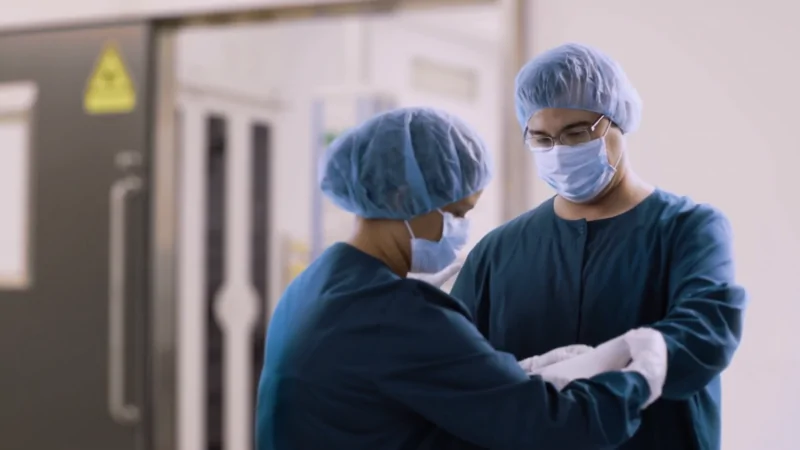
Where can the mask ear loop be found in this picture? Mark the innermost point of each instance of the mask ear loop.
(411, 232)
(619, 159)
(444, 221)
(408, 227)
(608, 128)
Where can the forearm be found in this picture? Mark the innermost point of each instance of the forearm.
(701, 335)
(600, 412)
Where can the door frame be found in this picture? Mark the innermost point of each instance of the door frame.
(197, 103)
(164, 264)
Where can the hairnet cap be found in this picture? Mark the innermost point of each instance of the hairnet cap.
(576, 76)
(404, 163)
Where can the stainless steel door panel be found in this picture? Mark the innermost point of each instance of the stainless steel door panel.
(73, 346)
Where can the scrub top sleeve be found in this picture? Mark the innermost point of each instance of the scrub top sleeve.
(471, 288)
(703, 324)
(437, 364)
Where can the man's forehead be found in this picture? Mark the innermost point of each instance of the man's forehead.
(553, 120)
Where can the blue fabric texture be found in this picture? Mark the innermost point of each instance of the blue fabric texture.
(541, 282)
(359, 358)
(575, 76)
(404, 163)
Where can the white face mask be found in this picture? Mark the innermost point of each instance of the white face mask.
(431, 256)
(578, 173)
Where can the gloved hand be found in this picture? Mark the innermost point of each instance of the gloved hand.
(649, 358)
(440, 278)
(535, 364)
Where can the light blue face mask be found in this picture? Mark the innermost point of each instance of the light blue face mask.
(432, 257)
(578, 173)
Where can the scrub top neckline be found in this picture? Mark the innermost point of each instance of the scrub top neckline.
(633, 212)
(350, 248)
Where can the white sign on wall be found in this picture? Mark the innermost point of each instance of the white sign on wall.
(16, 103)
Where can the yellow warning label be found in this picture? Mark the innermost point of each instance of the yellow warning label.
(110, 89)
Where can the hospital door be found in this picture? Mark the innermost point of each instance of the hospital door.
(224, 247)
(73, 331)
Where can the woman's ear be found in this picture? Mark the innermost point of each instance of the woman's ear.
(428, 226)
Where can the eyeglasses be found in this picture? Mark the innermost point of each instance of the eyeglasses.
(571, 136)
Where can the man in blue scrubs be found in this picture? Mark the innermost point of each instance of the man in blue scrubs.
(359, 356)
(609, 252)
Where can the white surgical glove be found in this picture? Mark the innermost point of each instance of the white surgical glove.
(535, 364)
(440, 278)
(649, 358)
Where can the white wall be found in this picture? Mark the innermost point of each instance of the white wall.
(720, 84)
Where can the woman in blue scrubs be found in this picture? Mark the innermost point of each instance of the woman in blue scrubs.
(359, 356)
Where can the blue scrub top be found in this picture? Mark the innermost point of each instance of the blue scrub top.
(541, 282)
(359, 358)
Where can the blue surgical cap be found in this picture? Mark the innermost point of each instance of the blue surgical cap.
(575, 76)
(404, 163)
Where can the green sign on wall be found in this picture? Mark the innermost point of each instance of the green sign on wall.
(330, 136)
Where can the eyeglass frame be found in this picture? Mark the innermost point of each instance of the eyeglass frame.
(559, 139)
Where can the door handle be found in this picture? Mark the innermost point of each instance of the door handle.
(121, 411)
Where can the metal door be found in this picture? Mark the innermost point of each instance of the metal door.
(73, 345)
